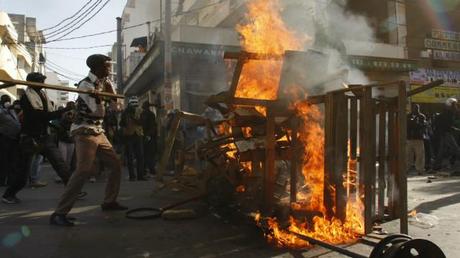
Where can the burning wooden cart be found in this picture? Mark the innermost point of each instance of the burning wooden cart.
(336, 160)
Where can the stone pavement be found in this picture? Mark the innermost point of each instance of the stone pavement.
(25, 232)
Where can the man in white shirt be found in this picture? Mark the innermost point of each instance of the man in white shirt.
(91, 142)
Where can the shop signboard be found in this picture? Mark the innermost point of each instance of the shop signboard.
(446, 55)
(435, 95)
(383, 64)
(201, 71)
(426, 75)
(445, 35)
(442, 44)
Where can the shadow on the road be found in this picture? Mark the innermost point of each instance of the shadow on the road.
(428, 207)
(450, 186)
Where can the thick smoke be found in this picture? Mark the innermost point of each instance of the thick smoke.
(333, 30)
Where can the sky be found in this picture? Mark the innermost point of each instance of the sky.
(51, 12)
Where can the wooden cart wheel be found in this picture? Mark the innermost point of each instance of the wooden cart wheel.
(385, 244)
(420, 248)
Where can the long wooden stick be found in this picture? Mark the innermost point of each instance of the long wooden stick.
(10, 83)
(425, 87)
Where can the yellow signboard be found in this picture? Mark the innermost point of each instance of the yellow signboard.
(436, 95)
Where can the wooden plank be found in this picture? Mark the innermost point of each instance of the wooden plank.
(425, 87)
(9, 83)
(372, 175)
(402, 169)
(367, 154)
(252, 56)
(382, 160)
(168, 146)
(353, 127)
(341, 154)
(280, 104)
(252, 102)
(369, 86)
(294, 160)
(392, 160)
(236, 76)
(270, 155)
(329, 159)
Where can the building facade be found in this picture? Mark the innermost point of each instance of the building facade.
(374, 40)
(434, 38)
(20, 49)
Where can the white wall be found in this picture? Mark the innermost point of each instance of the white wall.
(141, 12)
(54, 95)
(205, 35)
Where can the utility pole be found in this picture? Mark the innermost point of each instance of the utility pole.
(119, 57)
(161, 16)
(168, 58)
(149, 32)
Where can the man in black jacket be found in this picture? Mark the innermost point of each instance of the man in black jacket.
(9, 134)
(416, 133)
(149, 126)
(34, 138)
(445, 130)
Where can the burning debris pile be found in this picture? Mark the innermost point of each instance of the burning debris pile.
(261, 114)
(304, 164)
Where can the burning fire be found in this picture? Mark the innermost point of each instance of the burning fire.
(247, 166)
(247, 132)
(225, 129)
(240, 189)
(265, 33)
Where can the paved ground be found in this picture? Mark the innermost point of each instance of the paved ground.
(25, 232)
(442, 199)
(24, 229)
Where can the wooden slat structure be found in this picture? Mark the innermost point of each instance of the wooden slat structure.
(368, 124)
(363, 123)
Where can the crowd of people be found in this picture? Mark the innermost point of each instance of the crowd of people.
(433, 140)
(79, 140)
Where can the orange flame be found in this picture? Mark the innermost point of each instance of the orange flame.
(240, 189)
(265, 33)
(247, 132)
(247, 166)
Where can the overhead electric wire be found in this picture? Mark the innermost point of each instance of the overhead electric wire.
(66, 19)
(63, 75)
(69, 76)
(65, 56)
(124, 28)
(133, 26)
(69, 29)
(62, 69)
(74, 48)
(76, 20)
(100, 33)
